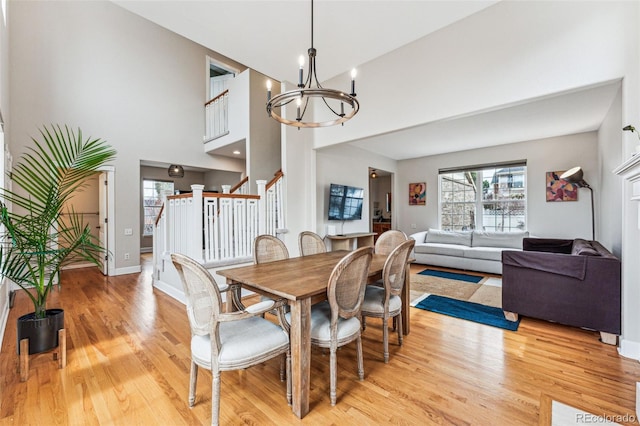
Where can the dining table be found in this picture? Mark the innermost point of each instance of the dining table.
(302, 281)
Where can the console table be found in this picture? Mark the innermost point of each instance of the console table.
(346, 241)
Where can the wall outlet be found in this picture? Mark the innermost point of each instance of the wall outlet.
(126, 256)
(413, 226)
(128, 231)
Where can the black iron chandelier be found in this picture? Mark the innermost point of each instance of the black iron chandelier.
(310, 90)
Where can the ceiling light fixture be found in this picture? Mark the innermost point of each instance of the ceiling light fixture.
(373, 174)
(176, 171)
(236, 152)
(334, 100)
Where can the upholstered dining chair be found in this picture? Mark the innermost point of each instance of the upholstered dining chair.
(336, 321)
(389, 240)
(385, 302)
(310, 243)
(226, 341)
(267, 248)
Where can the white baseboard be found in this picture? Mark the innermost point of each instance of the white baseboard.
(170, 290)
(127, 270)
(629, 349)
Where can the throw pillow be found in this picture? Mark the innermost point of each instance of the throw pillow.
(583, 248)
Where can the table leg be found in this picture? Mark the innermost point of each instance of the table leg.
(300, 355)
(406, 300)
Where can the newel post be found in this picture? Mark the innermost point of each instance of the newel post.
(262, 206)
(195, 226)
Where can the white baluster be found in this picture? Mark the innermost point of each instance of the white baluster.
(194, 224)
(262, 206)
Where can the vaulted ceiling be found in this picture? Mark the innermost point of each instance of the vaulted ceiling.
(269, 36)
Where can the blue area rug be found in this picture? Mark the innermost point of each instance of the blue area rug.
(452, 276)
(475, 312)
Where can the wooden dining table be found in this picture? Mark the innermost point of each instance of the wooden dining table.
(302, 281)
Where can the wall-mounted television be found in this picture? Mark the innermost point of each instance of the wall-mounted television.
(345, 202)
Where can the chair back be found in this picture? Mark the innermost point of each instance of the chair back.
(310, 243)
(347, 283)
(204, 303)
(395, 267)
(267, 248)
(389, 240)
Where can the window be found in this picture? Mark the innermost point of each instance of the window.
(489, 198)
(152, 193)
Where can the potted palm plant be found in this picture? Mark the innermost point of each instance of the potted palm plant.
(37, 241)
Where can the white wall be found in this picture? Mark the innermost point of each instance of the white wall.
(544, 219)
(214, 179)
(119, 77)
(609, 157)
(505, 54)
(346, 165)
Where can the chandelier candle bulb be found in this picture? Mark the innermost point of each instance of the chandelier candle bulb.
(353, 81)
(268, 90)
(298, 102)
(301, 71)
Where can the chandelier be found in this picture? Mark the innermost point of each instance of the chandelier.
(310, 91)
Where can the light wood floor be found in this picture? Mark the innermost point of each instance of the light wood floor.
(128, 363)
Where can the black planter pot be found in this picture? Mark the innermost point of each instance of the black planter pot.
(41, 332)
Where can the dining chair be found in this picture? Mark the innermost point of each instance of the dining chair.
(310, 243)
(267, 248)
(389, 240)
(386, 302)
(336, 321)
(226, 341)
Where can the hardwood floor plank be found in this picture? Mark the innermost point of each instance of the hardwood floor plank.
(128, 360)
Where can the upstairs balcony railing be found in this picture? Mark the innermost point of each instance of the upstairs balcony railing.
(217, 116)
(218, 228)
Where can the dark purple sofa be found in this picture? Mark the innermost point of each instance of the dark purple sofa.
(572, 282)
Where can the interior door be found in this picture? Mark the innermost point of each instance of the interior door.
(102, 220)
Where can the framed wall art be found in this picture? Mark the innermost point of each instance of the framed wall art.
(418, 194)
(559, 189)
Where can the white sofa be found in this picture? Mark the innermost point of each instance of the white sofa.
(475, 250)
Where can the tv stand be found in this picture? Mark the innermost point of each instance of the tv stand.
(347, 241)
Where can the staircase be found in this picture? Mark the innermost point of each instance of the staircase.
(215, 229)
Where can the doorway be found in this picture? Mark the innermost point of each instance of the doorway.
(380, 200)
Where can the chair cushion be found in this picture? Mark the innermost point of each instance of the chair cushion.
(241, 342)
(374, 299)
(321, 322)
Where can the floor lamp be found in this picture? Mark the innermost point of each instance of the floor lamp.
(575, 176)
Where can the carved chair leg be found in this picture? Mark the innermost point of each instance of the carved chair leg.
(359, 355)
(215, 398)
(385, 339)
(193, 380)
(333, 373)
(289, 378)
(399, 323)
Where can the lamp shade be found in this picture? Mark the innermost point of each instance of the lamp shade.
(575, 176)
(176, 171)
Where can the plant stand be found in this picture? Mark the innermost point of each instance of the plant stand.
(59, 354)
